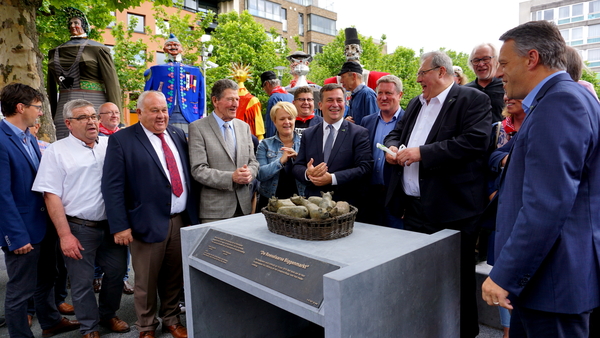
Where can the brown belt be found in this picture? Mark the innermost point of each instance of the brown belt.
(174, 215)
(85, 222)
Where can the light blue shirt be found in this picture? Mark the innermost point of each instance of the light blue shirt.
(382, 129)
(25, 136)
(221, 123)
(528, 103)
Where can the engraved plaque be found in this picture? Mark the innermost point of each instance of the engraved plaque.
(292, 274)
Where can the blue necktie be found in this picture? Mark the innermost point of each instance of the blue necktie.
(328, 143)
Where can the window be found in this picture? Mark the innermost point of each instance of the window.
(593, 34)
(165, 31)
(198, 6)
(321, 24)
(114, 22)
(594, 10)
(593, 57)
(315, 48)
(300, 24)
(573, 36)
(265, 9)
(138, 22)
(568, 14)
(160, 58)
(547, 14)
(284, 19)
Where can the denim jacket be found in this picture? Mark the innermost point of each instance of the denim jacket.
(268, 155)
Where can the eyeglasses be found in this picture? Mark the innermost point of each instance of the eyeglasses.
(84, 118)
(485, 59)
(110, 112)
(305, 99)
(39, 108)
(423, 72)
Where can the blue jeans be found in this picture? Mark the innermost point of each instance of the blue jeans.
(99, 247)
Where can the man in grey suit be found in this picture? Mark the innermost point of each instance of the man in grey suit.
(222, 157)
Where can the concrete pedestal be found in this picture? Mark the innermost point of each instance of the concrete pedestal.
(391, 283)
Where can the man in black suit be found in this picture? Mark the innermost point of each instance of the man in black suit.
(438, 179)
(149, 195)
(335, 155)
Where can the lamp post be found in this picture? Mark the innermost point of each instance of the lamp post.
(279, 70)
(206, 64)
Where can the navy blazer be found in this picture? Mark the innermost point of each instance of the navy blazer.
(548, 223)
(351, 161)
(23, 217)
(136, 189)
(451, 171)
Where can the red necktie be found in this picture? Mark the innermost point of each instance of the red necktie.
(171, 166)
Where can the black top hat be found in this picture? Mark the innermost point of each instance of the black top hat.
(352, 37)
(351, 66)
(266, 76)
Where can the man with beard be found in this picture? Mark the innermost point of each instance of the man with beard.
(484, 62)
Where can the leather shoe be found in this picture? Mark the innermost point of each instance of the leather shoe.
(29, 320)
(127, 288)
(115, 325)
(66, 309)
(147, 334)
(97, 284)
(177, 330)
(93, 334)
(64, 325)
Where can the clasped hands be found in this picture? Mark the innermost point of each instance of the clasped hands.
(242, 175)
(318, 175)
(404, 157)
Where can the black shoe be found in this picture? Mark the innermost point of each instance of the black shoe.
(2, 321)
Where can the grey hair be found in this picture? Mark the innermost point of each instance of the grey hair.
(439, 59)
(391, 79)
(274, 82)
(74, 104)
(481, 45)
(142, 97)
(220, 86)
(542, 36)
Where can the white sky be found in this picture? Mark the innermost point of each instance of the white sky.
(430, 24)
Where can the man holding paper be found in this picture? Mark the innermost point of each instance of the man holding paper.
(438, 180)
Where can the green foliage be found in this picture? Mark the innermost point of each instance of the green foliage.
(188, 29)
(461, 59)
(403, 63)
(238, 38)
(591, 77)
(130, 58)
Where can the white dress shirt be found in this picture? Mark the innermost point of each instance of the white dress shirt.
(73, 171)
(178, 204)
(427, 115)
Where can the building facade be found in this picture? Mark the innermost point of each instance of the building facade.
(578, 21)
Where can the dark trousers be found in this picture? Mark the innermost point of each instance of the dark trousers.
(527, 323)
(31, 275)
(415, 220)
(158, 270)
(99, 247)
(375, 211)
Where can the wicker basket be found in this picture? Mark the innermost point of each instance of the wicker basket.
(308, 229)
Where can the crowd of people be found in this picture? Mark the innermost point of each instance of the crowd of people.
(462, 155)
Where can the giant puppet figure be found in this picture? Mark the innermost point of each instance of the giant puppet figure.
(182, 85)
(80, 69)
(249, 108)
(353, 51)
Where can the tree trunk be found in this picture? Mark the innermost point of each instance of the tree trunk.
(20, 58)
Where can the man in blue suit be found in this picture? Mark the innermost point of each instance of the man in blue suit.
(547, 252)
(389, 94)
(28, 241)
(149, 196)
(335, 155)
